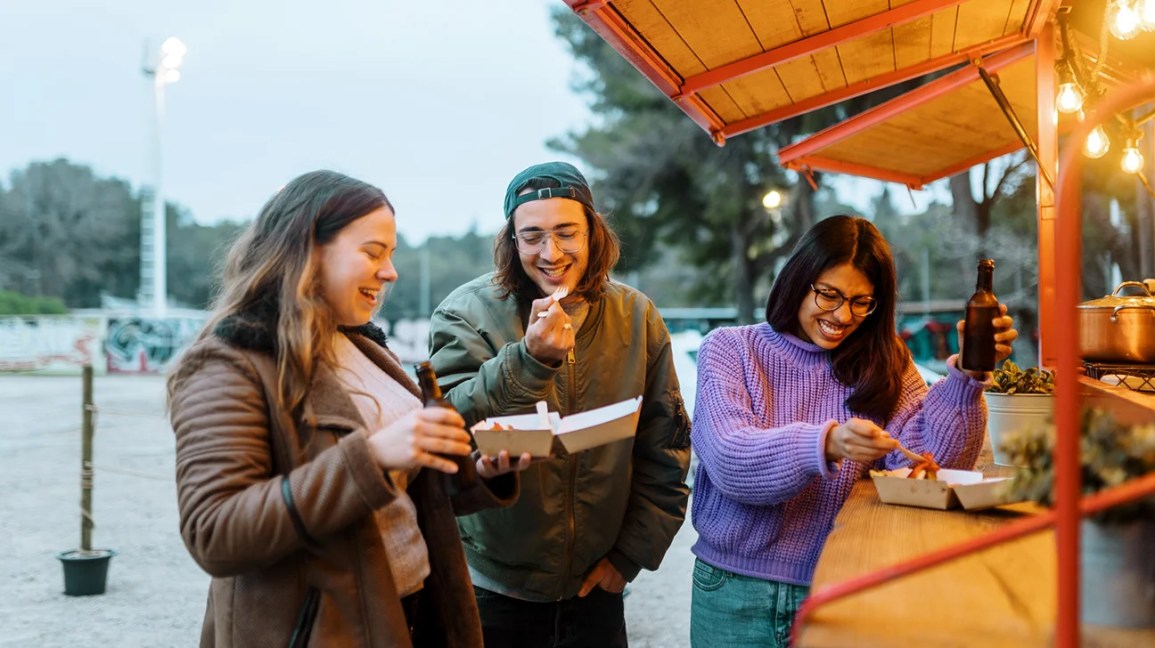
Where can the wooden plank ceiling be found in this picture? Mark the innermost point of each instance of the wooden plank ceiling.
(737, 65)
(936, 131)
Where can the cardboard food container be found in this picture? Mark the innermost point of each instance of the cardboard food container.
(534, 433)
(952, 489)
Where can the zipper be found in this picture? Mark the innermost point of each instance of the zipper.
(571, 487)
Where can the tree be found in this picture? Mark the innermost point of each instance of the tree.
(66, 233)
(666, 183)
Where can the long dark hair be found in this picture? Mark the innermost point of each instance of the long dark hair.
(272, 268)
(603, 245)
(872, 360)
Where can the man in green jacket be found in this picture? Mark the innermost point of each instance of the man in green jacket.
(549, 571)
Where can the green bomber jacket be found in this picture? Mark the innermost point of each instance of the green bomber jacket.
(625, 500)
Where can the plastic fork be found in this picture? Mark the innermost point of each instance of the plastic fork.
(557, 296)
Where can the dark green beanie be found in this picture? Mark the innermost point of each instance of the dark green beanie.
(573, 186)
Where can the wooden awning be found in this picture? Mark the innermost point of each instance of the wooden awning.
(935, 131)
(737, 65)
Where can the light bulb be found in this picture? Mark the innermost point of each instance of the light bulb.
(1070, 98)
(1146, 11)
(1122, 20)
(1097, 143)
(1132, 161)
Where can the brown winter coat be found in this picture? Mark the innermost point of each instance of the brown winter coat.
(274, 508)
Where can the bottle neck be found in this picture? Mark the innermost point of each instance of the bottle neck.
(985, 281)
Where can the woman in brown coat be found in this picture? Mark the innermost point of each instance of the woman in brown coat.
(308, 474)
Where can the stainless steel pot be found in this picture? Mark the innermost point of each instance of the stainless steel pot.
(1119, 328)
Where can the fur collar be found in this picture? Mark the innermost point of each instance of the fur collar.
(256, 329)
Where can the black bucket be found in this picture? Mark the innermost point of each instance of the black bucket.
(85, 572)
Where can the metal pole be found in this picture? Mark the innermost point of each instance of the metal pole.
(159, 227)
(86, 433)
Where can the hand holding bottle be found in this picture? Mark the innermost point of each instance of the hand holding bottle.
(423, 437)
(1004, 335)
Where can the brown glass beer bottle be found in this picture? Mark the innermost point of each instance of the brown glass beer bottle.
(466, 475)
(978, 352)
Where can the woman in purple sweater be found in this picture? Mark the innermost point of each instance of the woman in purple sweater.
(790, 413)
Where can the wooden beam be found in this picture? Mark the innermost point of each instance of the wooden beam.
(899, 105)
(608, 23)
(868, 85)
(812, 44)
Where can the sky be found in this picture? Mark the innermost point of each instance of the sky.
(438, 102)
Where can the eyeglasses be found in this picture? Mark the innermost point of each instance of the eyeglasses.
(831, 299)
(567, 239)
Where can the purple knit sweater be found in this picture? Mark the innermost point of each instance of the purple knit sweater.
(764, 495)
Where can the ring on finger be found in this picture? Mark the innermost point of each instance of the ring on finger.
(567, 326)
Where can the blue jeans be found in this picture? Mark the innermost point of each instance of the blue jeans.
(732, 610)
(597, 620)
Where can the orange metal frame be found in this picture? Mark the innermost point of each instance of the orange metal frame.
(801, 155)
(607, 22)
(1069, 505)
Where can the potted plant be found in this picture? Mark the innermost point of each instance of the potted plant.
(1015, 399)
(1116, 558)
(85, 568)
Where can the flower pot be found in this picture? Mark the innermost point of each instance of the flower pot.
(1007, 413)
(1117, 574)
(85, 572)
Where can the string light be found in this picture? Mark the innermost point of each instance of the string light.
(1070, 97)
(1132, 161)
(1123, 20)
(1097, 143)
(1146, 11)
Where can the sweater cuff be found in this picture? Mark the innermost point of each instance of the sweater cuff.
(626, 567)
(826, 468)
(964, 389)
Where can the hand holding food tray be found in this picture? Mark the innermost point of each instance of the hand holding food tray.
(535, 433)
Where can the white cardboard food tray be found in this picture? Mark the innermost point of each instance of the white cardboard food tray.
(577, 432)
(952, 489)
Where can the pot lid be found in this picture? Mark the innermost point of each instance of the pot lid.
(1141, 297)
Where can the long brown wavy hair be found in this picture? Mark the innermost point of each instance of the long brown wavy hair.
(604, 250)
(872, 360)
(271, 273)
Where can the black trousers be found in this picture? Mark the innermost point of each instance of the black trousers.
(596, 620)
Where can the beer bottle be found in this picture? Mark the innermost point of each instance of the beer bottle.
(466, 475)
(978, 353)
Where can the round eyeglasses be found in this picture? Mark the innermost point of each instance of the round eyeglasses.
(831, 299)
(567, 239)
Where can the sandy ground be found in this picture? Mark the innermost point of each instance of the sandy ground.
(155, 594)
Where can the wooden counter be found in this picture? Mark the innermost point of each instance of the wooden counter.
(1002, 596)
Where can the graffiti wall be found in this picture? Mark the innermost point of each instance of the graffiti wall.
(145, 345)
(133, 344)
(51, 344)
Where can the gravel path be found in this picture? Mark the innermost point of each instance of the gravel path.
(155, 594)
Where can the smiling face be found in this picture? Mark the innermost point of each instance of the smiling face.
(828, 329)
(550, 268)
(357, 265)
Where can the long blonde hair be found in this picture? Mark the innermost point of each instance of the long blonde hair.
(271, 275)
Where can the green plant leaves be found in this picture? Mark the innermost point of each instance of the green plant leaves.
(1010, 379)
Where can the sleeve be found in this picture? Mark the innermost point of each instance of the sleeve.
(949, 421)
(661, 460)
(236, 513)
(747, 462)
(484, 375)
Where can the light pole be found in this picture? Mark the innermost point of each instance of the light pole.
(153, 274)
